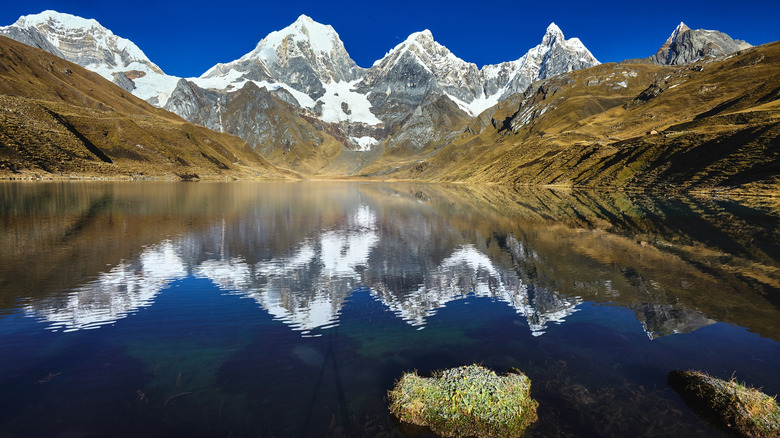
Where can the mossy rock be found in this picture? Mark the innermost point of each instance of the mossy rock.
(466, 401)
(738, 409)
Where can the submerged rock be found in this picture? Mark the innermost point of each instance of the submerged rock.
(735, 407)
(466, 401)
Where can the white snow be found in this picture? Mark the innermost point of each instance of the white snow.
(152, 84)
(62, 20)
(337, 93)
(322, 39)
(365, 143)
(476, 106)
(77, 28)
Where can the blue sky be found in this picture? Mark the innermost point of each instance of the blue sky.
(185, 38)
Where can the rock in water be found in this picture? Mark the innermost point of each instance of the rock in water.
(733, 406)
(466, 401)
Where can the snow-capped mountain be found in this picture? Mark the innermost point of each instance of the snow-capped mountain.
(87, 43)
(555, 55)
(418, 66)
(305, 72)
(685, 46)
(309, 61)
(407, 74)
(304, 55)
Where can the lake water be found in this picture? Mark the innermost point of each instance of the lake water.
(289, 309)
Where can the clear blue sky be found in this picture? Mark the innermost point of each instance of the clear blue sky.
(185, 38)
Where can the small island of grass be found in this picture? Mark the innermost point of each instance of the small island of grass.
(740, 409)
(466, 401)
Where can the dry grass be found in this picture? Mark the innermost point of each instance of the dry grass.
(716, 124)
(730, 404)
(60, 120)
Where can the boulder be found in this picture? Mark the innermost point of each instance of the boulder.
(466, 401)
(737, 408)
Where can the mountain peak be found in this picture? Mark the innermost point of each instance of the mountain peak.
(418, 42)
(303, 18)
(553, 29)
(81, 40)
(54, 17)
(680, 29)
(422, 36)
(50, 16)
(685, 46)
(425, 33)
(305, 55)
(322, 38)
(552, 34)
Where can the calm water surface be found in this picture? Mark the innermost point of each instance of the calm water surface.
(289, 309)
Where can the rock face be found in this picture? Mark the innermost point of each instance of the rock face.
(417, 67)
(686, 46)
(268, 120)
(435, 121)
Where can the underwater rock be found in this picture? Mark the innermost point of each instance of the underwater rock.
(466, 401)
(731, 405)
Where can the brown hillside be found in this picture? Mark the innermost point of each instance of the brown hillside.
(58, 119)
(710, 125)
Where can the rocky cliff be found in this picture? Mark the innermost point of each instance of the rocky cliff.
(686, 46)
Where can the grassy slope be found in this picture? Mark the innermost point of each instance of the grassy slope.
(59, 119)
(717, 125)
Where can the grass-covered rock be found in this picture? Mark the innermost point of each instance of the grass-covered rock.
(466, 401)
(738, 408)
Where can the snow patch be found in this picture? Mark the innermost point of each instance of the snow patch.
(476, 106)
(358, 106)
(365, 143)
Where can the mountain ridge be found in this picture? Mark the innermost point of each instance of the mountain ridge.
(422, 113)
(276, 59)
(60, 120)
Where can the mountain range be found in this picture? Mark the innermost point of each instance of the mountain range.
(305, 65)
(302, 103)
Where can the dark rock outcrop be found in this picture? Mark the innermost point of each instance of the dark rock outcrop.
(686, 46)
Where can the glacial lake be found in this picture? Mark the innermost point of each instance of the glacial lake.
(289, 309)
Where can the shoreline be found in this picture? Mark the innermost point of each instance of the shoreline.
(725, 192)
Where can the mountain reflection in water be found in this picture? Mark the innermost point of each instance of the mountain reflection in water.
(415, 247)
(306, 288)
(81, 256)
